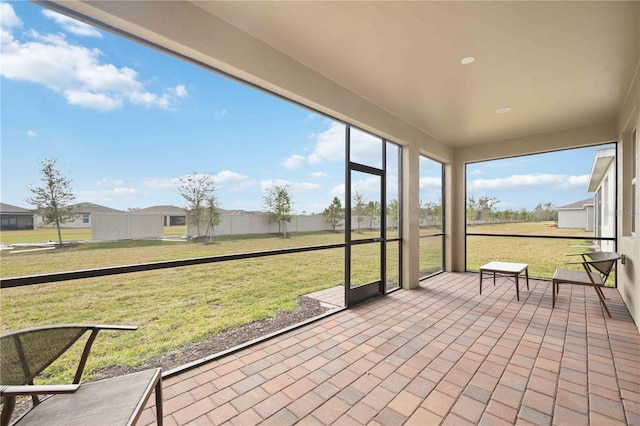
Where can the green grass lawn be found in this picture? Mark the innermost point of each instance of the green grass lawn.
(179, 306)
(542, 255)
(42, 235)
(172, 307)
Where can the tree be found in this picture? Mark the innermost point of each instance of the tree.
(54, 197)
(394, 211)
(372, 212)
(485, 207)
(334, 213)
(358, 206)
(472, 212)
(544, 212)
(196, 189)
(278, 205)
(212, 214)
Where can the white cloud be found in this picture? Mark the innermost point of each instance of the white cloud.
(318, 174)
(516, 181)
(71, 25)
(238, 182)
(109, 182)
(302, 187)
(365, 148)
(293, 162)
(32, 134)
(124, 191)
(368, 187)
(329, 145)
(227, 175)
(430, 182)
(181, 91)
(161, 183)
(76, 72)
(8, 17)
(106, 196)
(339, 190)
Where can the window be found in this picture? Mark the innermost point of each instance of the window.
(85, 218)
(9, 220)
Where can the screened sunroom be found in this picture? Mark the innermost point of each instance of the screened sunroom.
(418, 141)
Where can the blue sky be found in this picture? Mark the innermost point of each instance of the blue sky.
(126, 123)
(559, 178)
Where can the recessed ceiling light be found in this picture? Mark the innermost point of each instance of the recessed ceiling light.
(503, 110)
(467, 60)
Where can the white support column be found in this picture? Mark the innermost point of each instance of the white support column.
(410, 216)
(455, 216)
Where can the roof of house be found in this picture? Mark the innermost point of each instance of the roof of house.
(601, 162)
(93, 208)
(578, 204)
(164, 210)
(8, 208)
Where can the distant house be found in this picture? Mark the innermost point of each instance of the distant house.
(83, 215)
(171, 215)
(602, 182)
(577, 215)
(13, 217)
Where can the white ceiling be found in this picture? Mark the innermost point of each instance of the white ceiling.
(557, 65)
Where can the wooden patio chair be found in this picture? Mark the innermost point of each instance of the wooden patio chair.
(115, 401)
(597, 268)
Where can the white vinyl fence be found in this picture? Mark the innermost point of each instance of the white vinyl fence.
(124, 226)
(259, 224)
(129, 226)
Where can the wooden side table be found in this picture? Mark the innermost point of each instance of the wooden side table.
(507, 269)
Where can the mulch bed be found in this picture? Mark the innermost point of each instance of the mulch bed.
(307, 308)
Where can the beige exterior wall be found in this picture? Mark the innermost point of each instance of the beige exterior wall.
(629, 243)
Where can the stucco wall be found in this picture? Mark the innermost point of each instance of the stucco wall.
(629, 243)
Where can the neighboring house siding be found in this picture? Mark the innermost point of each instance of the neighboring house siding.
(607, 208)
(172, 215)
(16, 221)
(590, 218)
(602, 183)
(16, 218)
(576, 218)
(83, 211)
(577, 215)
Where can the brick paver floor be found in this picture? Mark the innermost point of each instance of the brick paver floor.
(440, 354)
